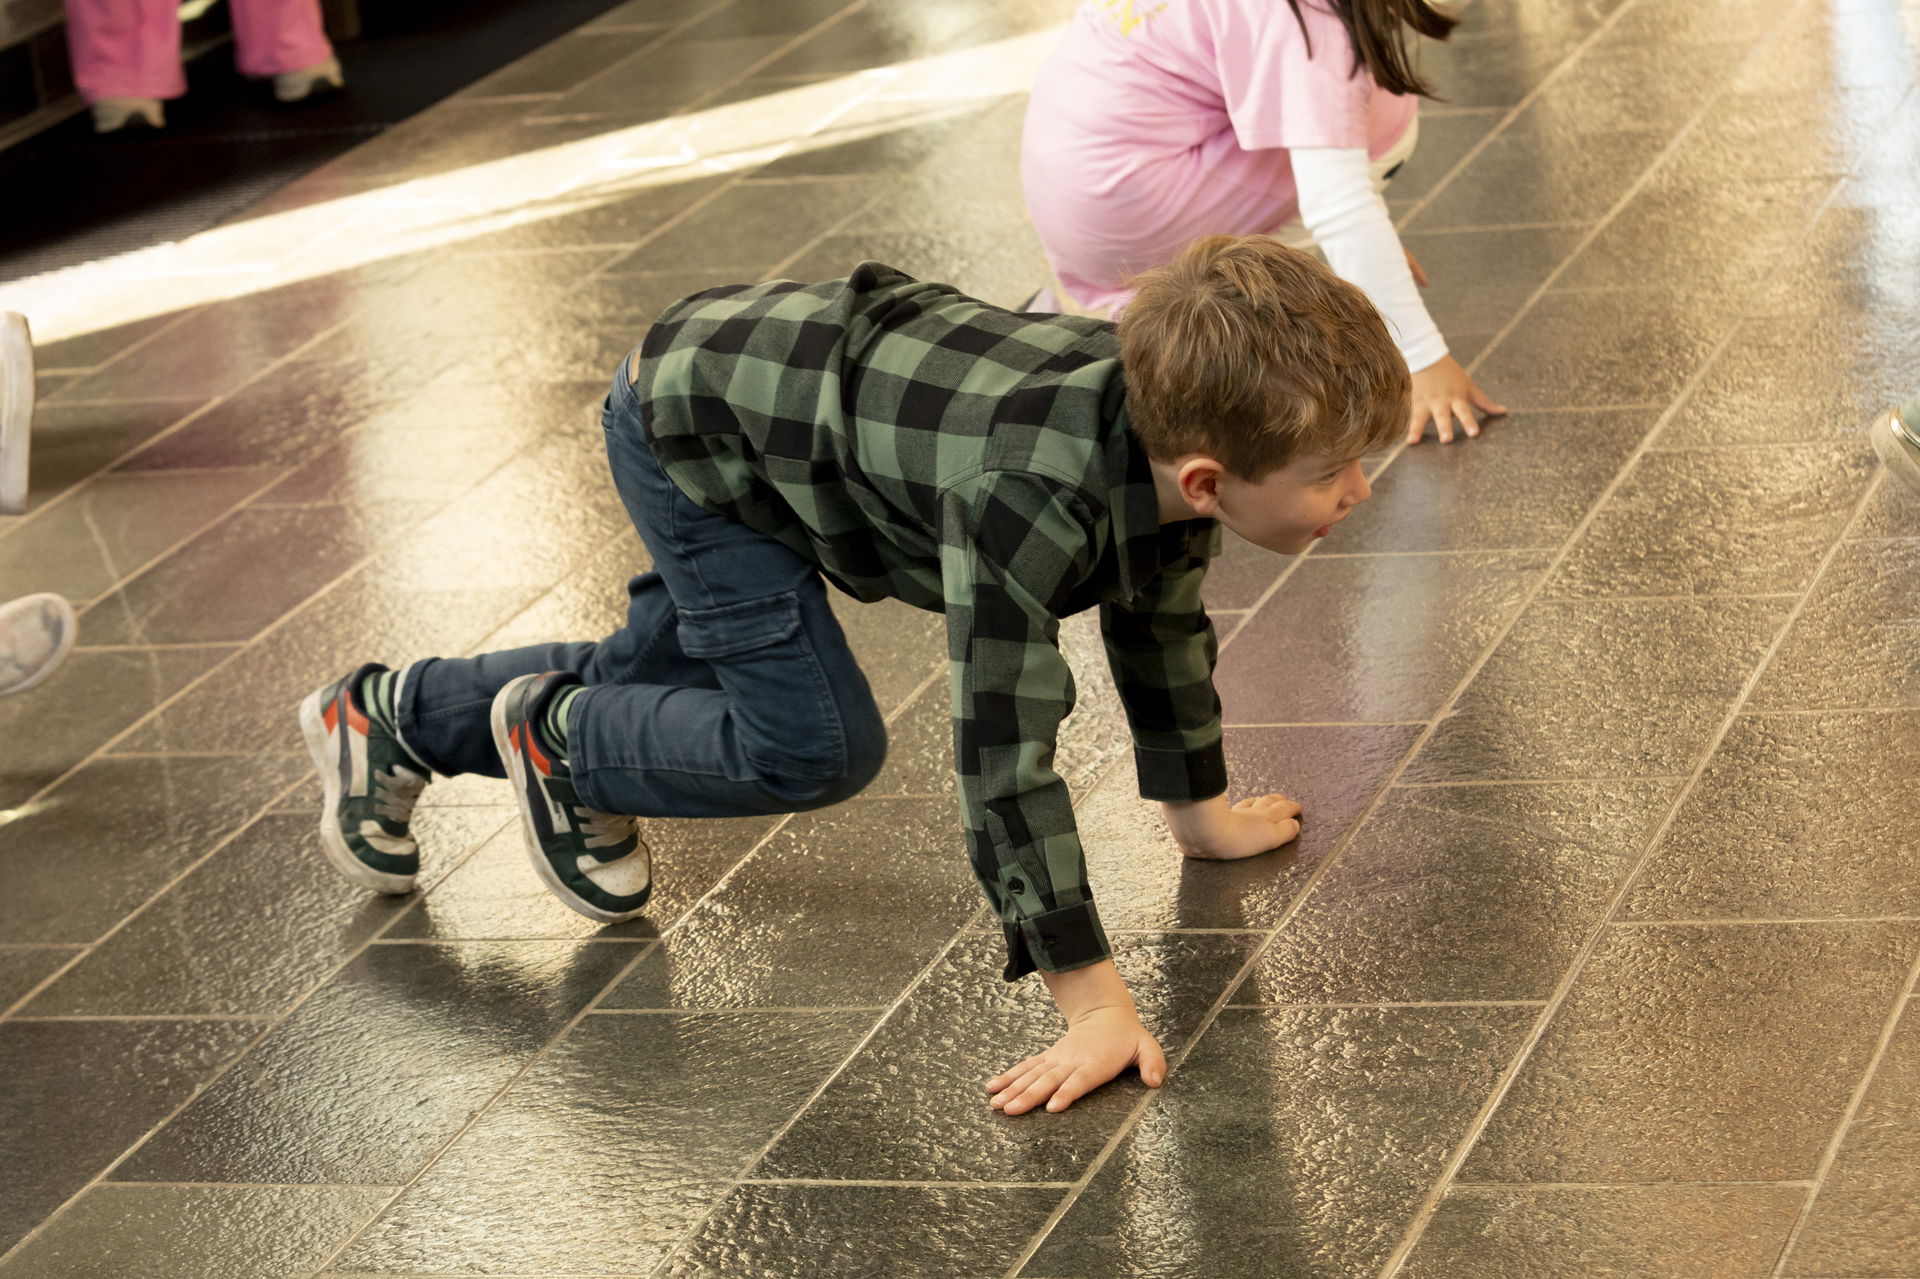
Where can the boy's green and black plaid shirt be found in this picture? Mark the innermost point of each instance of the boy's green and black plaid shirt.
(920, 445)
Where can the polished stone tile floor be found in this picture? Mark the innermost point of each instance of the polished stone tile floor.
(1597, 955)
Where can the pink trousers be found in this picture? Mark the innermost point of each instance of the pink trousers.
(131, 48)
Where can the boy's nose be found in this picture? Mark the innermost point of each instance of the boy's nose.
(1360, 491)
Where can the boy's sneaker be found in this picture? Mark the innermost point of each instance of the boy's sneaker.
(371, 783)
(16, 410)
(594, 862)
(1896, 438)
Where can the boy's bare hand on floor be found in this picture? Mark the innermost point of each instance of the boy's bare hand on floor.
(1104, 1036)
(1444, 393)
(1098, 1045)
(1213, 830)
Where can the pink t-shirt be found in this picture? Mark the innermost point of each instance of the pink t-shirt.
(1156, 121)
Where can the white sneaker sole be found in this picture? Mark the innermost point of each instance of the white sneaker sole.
(313, 727)
(517, 778)
(16, 410)
(1901, 458)
(69, 635)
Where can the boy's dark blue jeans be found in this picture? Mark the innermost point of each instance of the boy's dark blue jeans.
(729, 692)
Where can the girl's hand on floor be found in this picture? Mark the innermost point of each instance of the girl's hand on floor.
(1096, 1047)
(1443, 391)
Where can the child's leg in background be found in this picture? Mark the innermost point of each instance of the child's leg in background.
(731, 690)
(275, 36)
(125, 48)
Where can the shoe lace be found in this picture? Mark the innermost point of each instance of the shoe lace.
(606, 830)
(395, 791)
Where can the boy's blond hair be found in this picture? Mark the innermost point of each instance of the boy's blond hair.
(1253, 353)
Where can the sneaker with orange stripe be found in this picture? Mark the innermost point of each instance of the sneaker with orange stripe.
(371, 784)
(594, 862)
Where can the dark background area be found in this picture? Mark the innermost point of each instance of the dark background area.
(73, 196)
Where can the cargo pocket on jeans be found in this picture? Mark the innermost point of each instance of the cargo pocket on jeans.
(788, 715)
(732, 629)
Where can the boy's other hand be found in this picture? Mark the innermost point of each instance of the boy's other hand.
(1212, 830)
(1098, 1045)
(1445, 394)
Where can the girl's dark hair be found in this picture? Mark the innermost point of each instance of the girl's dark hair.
(1378, 29)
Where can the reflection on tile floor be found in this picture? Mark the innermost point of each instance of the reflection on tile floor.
(1597, 953)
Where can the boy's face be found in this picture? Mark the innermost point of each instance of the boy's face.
(1293, 506)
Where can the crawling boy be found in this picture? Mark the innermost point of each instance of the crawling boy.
(901, 440)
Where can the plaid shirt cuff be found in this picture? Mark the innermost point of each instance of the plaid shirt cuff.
(1058, 941)
(1181, 777)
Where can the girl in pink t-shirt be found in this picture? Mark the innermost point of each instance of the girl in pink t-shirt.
(1159, 121)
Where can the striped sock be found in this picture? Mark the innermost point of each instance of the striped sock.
(376, 694)
(553, 723)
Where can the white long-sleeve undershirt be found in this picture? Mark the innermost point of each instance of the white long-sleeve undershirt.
(1348, 220)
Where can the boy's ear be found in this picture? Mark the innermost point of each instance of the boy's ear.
(1199, 480)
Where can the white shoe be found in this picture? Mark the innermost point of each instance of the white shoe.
(16, 410)
(110, 115)
(36, 634)
(298, 86)
(1896, 437)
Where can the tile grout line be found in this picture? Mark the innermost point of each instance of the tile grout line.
(122, 580)
(1620, 1185)
(203, 407)
(1394, 1003)
(592, 1006)
(740, 178)
(242, 1053)
(485, 1107)
(885, 1184)
(800, 1112)
(1831, 1152)
(105, 749)
(86, 949)
(1542, 781)
(1477, 1126)
(1423, 1214)
(1738, 921)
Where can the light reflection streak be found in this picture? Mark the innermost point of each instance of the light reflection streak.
(432, 212)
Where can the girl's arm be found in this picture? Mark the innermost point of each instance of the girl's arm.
(1349, 221)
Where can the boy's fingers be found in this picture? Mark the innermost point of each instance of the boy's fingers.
(1153, 1064)
(1416, 427)
(1486, 402)
(1072, 1089)
(1291, 808)
(1036, 1092)
(1443, 423)
(1016, 1080)
(1001, 1080)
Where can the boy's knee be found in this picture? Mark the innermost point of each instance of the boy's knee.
(838, 774)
